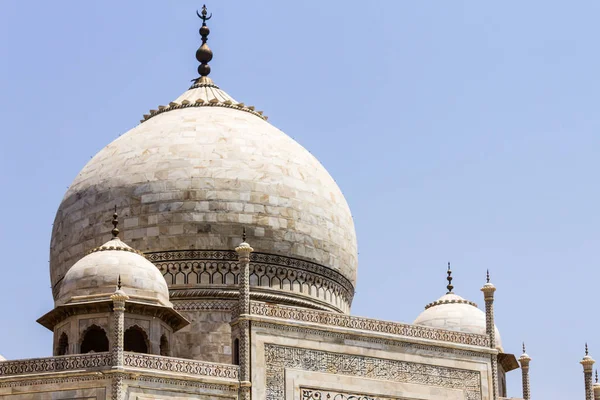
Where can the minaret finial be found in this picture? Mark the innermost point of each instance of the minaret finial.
(244, 234)
(115, 222)
(449, 278)
(596, 376)
(524, 348)
(487, 277)
(119, 283)
(204, 53)
(586, 349)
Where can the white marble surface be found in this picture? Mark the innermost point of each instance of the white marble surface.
(192, 178)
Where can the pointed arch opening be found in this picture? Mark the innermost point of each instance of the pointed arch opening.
(63, 345)
(94, 340)
(136, 340)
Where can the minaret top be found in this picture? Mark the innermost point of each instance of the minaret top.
(524, 357)
(587, 361)
(244, 248)
(204, 53)
(488, 289)
(449, 278)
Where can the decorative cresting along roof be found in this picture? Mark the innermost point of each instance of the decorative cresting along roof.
(450, 298)
(204, 93)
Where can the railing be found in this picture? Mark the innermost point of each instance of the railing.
(55, 364)
(181, 365)
(366, 324)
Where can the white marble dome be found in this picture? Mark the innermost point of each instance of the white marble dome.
(190, 177)
(95, 277)
(452, 312)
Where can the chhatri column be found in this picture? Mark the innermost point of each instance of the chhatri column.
(488, 294)
(118, 358)
(588, 366)
(243, 251)
(524, 361)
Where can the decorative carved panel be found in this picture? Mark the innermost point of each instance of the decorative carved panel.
(280, 358)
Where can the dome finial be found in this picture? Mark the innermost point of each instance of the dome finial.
(449, 287)
(586, 349)
(115, 222)
(204, 53)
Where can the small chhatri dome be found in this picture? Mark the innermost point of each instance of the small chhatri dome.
(114, 265)
(452, 312)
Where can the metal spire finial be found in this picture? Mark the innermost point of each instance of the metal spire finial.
(115, 222)
(488, 276)
(203, 16)
(244, 234)
(524, 348)
(119, 283)
(204, 53)
(586, 349)
(449, 278)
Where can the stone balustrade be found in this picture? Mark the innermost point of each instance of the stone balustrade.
(181, 365)
(99, 361)
(330, 319)
(88, 361)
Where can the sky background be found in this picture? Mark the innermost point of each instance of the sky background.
(458, 131)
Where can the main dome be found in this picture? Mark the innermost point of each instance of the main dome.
(192, 175)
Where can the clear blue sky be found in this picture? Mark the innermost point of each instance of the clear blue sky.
(458, 131)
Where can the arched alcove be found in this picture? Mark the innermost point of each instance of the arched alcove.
(63, 345)
(136, 340)
(94, 340)
(164, 346)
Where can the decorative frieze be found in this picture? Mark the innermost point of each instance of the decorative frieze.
(367, 324)
(280, 358)
(203, 267)
(204, 305)
(435, 351)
